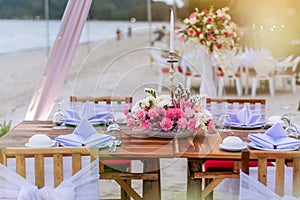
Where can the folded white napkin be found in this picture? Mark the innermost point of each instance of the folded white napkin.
(84, 135)
(87, 111)
(244, 117)
(274, 138)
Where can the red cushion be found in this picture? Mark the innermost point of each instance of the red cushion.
(164, 70)
(225, 165)
(180, 70)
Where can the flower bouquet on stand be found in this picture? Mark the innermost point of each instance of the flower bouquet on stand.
(208, 35)
(164, 116)
(212, 29)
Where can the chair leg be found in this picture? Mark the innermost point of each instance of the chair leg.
(293, 84)
(220, 86)
(254, 86)
(238, 86)
(271, 87)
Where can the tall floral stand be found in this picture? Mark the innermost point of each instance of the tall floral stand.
(199, 57)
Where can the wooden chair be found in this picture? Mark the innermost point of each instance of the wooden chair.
(38, 154)
(106, 99)
(217, 106)
(282, 159)
(214, 171)
(111, 169)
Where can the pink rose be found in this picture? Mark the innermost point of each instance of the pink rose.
(146, 125)
(210, 124)
(188, 112)
(192, 125)
(174, 113)
(153, 113)
(191, 32)
(194, 15)
(130, 122)
(140, 114)
(205, 11)
(182, 123)
(126, 109)
(166, 124)
(187, 104)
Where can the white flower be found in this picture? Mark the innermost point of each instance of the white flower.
(209, 26)
(186, 21)
(164, 100)
(193, 21)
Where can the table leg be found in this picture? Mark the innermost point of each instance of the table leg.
(194, 186)
(151, 188)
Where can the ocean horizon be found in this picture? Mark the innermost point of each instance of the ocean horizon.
(26, 35)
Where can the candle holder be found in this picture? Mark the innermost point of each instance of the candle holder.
(172, 60)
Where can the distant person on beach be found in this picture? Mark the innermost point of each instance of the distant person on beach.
(129, 31)
(119, 34)
(160, 33)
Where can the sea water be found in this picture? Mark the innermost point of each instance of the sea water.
(23, 35)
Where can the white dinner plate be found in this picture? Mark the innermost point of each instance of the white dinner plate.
(51, 144)
(167, 134)
(100, 147)
(231, 148)
(246, 127)
(254, 146)
(94, 122)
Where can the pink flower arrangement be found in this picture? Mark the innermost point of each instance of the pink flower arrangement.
(213, 29)
(162, 113)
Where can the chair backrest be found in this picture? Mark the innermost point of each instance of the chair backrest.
(281, 158)
(38, 154)
(103, 103)
(263, 65)
(295, 63)
(105, 99)
(217, 107)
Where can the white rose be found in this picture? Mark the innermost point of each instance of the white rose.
(186, 21)
(209, 26)
(193, 21)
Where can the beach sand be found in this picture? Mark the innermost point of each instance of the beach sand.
(113, 67)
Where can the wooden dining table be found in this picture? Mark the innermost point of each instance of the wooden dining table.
(134, 147)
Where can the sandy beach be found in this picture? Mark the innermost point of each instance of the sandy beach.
(111, 67)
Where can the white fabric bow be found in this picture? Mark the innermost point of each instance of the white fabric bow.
(84, 185)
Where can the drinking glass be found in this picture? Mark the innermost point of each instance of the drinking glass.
(221, 123)
(58, 116)
(290, 130)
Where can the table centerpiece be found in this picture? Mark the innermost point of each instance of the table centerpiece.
(164, 116)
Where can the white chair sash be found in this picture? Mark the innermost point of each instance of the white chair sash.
(84, 185)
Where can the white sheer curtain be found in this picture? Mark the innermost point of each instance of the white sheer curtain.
(59, 60)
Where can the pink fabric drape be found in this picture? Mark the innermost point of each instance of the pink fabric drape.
(59, 60)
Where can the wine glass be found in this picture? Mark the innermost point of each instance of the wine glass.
(222, 121)
(224, 117)
(58, 116)
(291, 130)
(286, 108)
